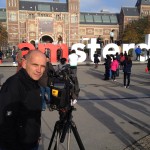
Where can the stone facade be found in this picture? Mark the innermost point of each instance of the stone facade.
(45, 21)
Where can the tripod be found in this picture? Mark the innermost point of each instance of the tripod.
(62, 126)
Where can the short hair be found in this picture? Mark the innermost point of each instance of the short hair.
(28, 55)
(63, 60)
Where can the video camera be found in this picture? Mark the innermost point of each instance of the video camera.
(62, 89)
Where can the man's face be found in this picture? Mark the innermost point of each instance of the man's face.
(35, 65)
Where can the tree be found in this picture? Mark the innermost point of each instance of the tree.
(136, 30)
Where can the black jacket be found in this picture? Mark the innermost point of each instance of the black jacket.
(127, 65)
(20, 112)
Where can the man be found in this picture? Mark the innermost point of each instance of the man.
(112, 36)
(138, 53)
(73, 61)
(20, 105)
(100, 41)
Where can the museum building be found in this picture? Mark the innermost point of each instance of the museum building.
(42, 21)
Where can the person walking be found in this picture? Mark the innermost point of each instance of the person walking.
(138, 52)
(96, 59)
(45, 83)
(127, 65)
(20, 105)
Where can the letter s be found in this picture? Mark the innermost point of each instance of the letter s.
(82, 54)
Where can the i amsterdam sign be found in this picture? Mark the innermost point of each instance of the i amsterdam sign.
(92, 48)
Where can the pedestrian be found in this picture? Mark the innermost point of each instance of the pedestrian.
(118, 59)
(19, 60)
(13, 54)
(47, 52)
(148, 64)
(127, 65)
(60, 39)
(100, 41)
(114, 67)
(112, 36)
(20, 105)
(138, 52)
(122, 58)
(73, 61)
(107, 67)
(148, 54)
(20, 57)
(61, 66)
(125, 53)
(96, 59)
(59, 54)
(45, 83)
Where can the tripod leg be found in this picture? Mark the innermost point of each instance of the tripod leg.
(56, 129)
(57, 141)
(77, 137)
(69, 137)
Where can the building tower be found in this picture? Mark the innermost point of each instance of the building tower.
(12, 7)
(74, 19)
(143, 7)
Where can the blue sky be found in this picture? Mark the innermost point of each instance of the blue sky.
(96, 5)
